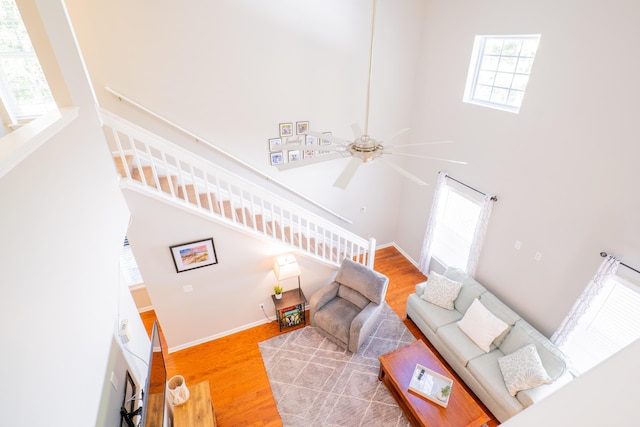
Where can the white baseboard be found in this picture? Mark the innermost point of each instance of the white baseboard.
(406, 255)
(220, 335)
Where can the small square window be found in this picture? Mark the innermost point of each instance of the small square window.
(499, 71)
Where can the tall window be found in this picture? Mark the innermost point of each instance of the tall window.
(24, 91)
(499, 70)
(456, 228)
(605, 319)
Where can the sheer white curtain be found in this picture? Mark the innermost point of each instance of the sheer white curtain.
(478, 236)
(426, 252)
(608, 268)
(484, 205)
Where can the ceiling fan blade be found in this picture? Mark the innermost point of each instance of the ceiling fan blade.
(309, 161)
(397, 134)
(345, 177)
(357, 131)
(426, 157)
(403, 172)
(419, 143)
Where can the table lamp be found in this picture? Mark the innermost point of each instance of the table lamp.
(286, 267)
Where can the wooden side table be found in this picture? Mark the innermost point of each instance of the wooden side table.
(198, 410)
(290, 309)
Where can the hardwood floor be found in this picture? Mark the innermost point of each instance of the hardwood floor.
(239, 385)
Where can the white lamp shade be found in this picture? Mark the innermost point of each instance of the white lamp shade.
(286, 267)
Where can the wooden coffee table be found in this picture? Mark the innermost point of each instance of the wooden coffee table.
(396, 369)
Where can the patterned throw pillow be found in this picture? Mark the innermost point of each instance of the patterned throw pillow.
(523, 370)
(441, 291)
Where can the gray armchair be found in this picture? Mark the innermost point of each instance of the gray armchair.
(345, 311)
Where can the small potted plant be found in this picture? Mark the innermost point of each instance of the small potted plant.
(278, 291)
(444, 393)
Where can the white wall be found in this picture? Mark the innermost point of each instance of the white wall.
(231, 71)
(562, 168)
(226, 296)
(63, 218)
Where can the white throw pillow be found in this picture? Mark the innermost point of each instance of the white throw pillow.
(523, 370)
(441, 291)
(481, 325)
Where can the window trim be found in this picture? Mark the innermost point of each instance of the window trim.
(475, 64)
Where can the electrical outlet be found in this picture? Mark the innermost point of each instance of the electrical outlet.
(262, 307)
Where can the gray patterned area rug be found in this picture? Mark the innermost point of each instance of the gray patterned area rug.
(317, 383)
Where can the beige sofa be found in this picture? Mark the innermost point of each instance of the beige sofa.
(480, 370)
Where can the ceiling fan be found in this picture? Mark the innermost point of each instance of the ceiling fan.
(363, 148)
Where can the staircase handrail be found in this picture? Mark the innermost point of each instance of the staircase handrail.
(225, 153)
(190, 176)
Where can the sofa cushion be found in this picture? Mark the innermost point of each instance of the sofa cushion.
(461, 347)
(431, 314)
(336, 317)
(523, 369)
(469, 291)
(552, 358)
(441, 291)
(481, 325)
(486, 370)
(363, 279)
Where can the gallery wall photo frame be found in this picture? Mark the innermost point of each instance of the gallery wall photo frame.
(192, 255)
(275, 144)
(286, 129)
(277, 158)
(302, 127)
(294, 155)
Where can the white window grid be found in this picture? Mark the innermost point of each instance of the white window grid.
(499, 70)
(24, 90)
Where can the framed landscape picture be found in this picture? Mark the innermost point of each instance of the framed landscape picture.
(188, 256)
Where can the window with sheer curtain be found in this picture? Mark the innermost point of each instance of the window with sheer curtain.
(456, 227)
(605, 319)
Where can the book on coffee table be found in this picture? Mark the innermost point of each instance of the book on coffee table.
(429, 384)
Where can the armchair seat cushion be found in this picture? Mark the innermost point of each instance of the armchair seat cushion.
(336, 317)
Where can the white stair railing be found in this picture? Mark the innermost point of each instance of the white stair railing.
(155, 166)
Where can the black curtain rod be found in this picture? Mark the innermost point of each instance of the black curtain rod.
(493, 198)
(604, 255)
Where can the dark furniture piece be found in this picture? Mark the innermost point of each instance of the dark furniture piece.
(290, 308)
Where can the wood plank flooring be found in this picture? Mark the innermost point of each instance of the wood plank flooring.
(239, 385)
